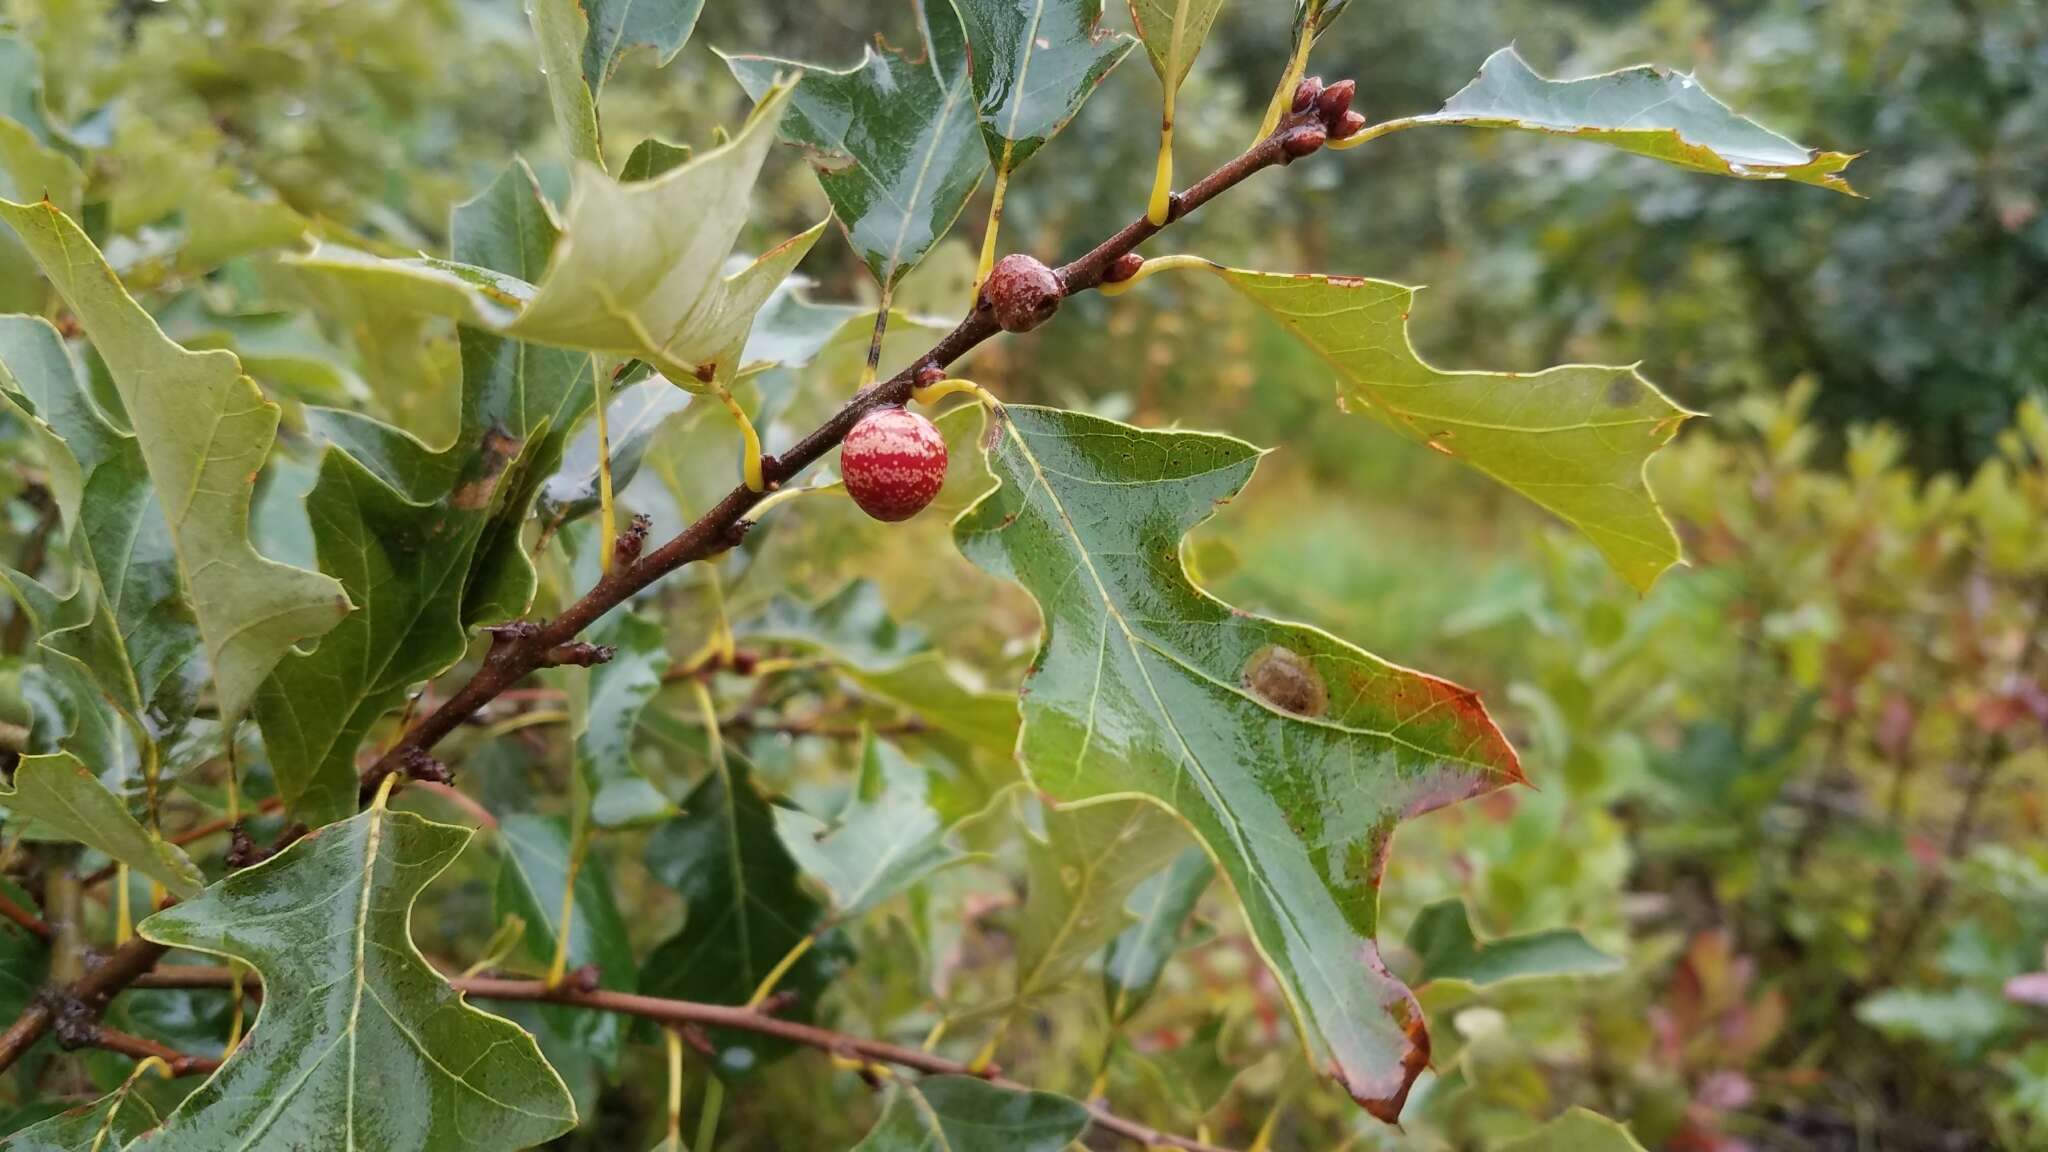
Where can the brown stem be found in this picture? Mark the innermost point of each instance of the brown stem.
(141, 1048)
(91, 991)
(515, 653)
(690, 1012)
(24, 917)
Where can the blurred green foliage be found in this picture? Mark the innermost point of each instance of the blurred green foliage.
(1799, 788)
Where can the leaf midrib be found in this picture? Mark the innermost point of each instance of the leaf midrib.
(1225, 815)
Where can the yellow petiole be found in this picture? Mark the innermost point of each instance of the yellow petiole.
(1153, 267)
(938, 390)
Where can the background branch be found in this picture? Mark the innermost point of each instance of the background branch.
(690, 1012)
(142, 1048)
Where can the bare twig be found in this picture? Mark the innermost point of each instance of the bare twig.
(89, 995)
(24, 917)
(688, 1014)
(141, 1048)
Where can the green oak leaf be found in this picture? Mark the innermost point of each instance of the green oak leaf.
(619, 689)
(535, 861)
(1646, 110)
(618, 26)
(1160, 907)
(1172, 32)
(852, 625)
(103, 490)
(1442, 937)
(404, 562)
(887, 837)
(892, 139)
(205, 431)
(1079, 881)
(1173, 1087)
(928, 689)
(890, 661)
(67, 800)
(1315, 16)
(1291, 754)
(70, 706)
(965, 1114)
(108, 1123)
(1033, 62)
(1577, 1130)
(221, 224)
(792, 330)
(21, 104)
(562, 27)
(1961, 1017)
(21, 87)
(412, 532)
(747, 907)
(1574, 439)
(636, 413)
(531, 394)
(360, 1042)
(650, 158)
(639, 271)
(32, 170)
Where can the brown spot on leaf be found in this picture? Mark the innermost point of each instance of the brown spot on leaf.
(1280, 677)
(497, 450)
(1620, 392)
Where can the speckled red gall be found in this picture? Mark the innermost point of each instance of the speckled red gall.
(894, 462)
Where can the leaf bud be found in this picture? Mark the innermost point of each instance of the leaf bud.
(1303, 141)
(1123, 268)
(1305, 93)
(1335, 100)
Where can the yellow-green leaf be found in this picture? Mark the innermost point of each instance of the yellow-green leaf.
(205, 432)
(1574, 439)
(1172, 32)
(1578, 1130)
(1646, 110)
(563, 30)
(62, 797)
(639, 270)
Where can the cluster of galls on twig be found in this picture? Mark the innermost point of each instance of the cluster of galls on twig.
(1334, 118)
